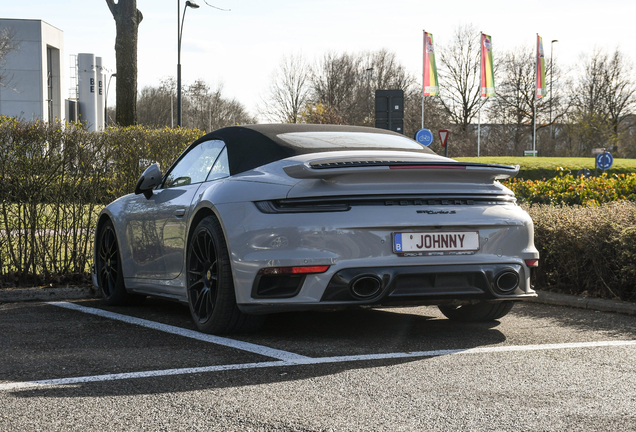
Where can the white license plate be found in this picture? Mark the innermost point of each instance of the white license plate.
(447, 241)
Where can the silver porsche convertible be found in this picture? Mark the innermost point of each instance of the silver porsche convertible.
(252, 220)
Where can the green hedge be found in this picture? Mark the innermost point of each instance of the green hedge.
(570, 190)
(540, 168)
(54, 180)
(130, 150)
(587, 250)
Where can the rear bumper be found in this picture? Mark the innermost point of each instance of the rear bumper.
(414, 285)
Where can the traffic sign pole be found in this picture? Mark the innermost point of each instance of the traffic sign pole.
(443, 138)
(604, 160)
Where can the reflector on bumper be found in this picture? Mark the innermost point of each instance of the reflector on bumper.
(293, 270)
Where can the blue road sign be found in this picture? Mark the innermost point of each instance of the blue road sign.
(424, 137)
(604, 160)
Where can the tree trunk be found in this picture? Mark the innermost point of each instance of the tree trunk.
(127, 18)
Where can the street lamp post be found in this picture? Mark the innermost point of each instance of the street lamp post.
(106, 99)
(369, 77)
(180, 21)
(551, 73)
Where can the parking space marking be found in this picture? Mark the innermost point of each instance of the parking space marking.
(307, 361)
(484, 350)
(244, 346)
(144, 374)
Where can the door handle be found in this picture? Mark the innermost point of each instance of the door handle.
(179, 213)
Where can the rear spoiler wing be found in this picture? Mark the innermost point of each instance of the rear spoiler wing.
(325, 169)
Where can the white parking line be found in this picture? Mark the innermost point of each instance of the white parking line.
(306, 361)
(244, 346)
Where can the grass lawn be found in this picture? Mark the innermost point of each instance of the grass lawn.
(536, 168)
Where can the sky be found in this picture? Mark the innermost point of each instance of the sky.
(241, 48)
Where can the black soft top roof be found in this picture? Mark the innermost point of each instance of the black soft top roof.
(251, 146)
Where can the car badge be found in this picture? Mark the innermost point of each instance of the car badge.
(432, 212)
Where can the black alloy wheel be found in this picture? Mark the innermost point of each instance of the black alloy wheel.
(210, 285)
(110, 277)
(203, 275)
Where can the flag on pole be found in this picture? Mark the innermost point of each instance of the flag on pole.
(487, 71)
(540, 72)
(431, 87)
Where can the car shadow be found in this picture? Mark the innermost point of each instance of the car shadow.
(371, 331)
(335, 333)
(313, 334)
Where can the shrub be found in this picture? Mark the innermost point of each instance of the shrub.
(542, 168)
(54, 180)
(570, 190)
(587, 250)
(130, 150)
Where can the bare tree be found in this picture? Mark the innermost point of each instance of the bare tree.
(209, 110)
(514, 102)
(127, 19)
(335, 79)
(289, 91)
(603, 95)
(381, 70)
(155, 104)
(319, 113)
(203, 108)
(589, 125)
(512, 110)
(588, 93)
(345, 84)
(388, 72)
(459, 75)
(338, 88)
(627, 145)
(226, 112)
(620, 93)
(196, 106)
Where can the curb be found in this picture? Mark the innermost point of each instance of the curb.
(11, 295)
(604, 305)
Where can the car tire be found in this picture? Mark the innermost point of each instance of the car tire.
(210, 284)
(478, 312)
(108, 268)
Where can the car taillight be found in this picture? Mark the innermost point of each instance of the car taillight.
(293, 270)
(289, 206)
(427, 167)
(532, 262)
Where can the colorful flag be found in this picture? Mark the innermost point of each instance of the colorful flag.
(540, 72)
(487, 71)
(431, 87)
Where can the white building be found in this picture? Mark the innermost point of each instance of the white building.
(33, 73)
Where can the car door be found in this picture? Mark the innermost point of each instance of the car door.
(157, 227)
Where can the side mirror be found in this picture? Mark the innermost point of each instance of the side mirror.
(150, 179)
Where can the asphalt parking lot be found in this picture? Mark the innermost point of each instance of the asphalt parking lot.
(82, 366)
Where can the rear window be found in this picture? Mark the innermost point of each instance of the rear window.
(332, 141)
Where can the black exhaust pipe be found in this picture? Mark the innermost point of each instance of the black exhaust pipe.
(365, 287)
(507, 281)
